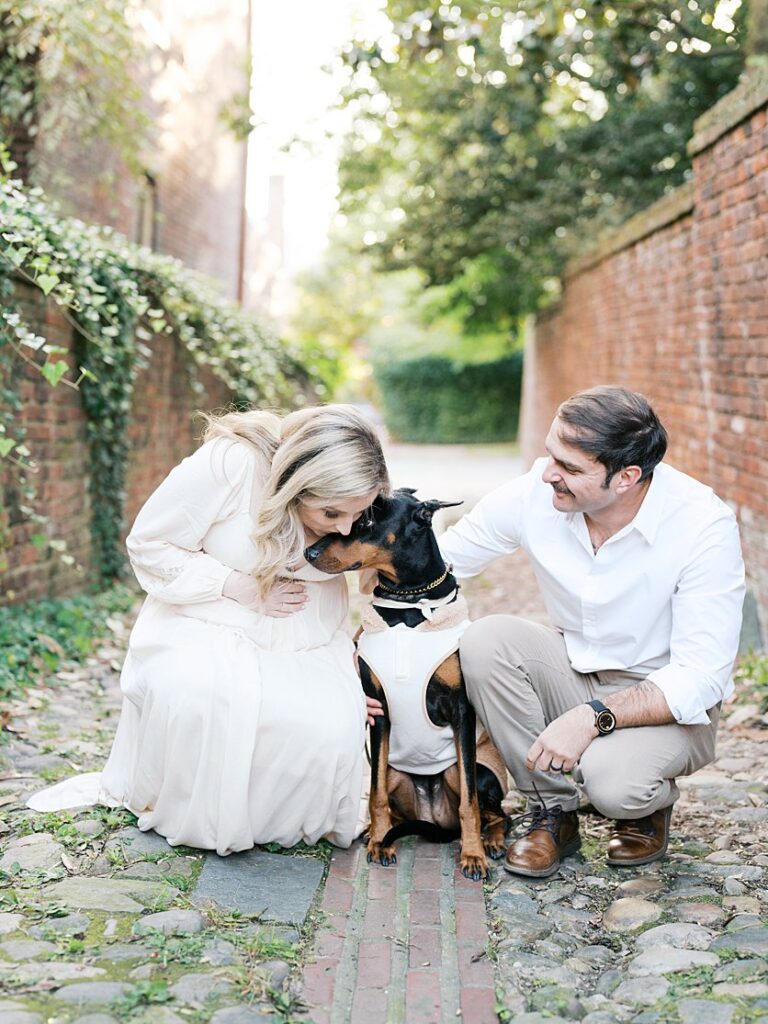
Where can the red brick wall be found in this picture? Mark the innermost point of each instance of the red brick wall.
(680, 313)
(162, 432)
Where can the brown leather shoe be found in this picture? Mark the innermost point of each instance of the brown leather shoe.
(640, 840)
(551, 833)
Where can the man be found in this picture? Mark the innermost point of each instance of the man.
(641, 572)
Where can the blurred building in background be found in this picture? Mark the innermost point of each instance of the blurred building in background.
(187, 197)
(268, 286)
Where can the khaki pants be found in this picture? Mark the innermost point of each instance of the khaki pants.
(519, 679)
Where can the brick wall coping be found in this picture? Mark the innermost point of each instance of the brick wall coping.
(750, 94)
(666, 210)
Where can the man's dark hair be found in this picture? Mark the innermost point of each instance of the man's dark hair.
(616, 426)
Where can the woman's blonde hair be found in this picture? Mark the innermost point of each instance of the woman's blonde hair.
(315, 456)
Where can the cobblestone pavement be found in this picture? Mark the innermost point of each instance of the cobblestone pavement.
(100, 923)
(683, 940)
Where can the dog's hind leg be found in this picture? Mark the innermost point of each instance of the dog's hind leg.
(403, 798)
(378, 804)
(461, 715)
(495, 822)
(492, 785)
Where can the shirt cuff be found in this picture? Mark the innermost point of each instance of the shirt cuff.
(688, 693)
(201, 578)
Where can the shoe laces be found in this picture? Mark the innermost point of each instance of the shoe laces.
(539, 817)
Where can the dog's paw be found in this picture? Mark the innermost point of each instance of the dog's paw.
(495, 850)
(475, 867)
(378, 854)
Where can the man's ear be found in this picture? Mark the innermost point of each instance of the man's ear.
(628, 477)
(426, 509)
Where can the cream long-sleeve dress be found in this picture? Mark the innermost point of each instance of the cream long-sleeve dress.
(236, 728)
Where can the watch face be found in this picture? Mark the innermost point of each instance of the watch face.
(605, 722)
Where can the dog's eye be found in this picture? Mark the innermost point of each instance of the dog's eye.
(366, 518)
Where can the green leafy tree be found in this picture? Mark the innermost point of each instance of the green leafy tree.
(70, 69)
(337, 303)
(347, 316)
(493, 140)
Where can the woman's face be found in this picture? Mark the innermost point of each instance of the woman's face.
(334, 517)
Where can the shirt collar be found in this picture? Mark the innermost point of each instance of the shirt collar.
(649, 516)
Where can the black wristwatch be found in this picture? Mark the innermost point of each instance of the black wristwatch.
(605, 720)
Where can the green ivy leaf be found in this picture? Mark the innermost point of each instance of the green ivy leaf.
(47, 282)
(53, 372)
(6, 446)
(17, 256)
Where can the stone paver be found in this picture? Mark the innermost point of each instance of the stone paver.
(171, 922)
(92, 992)
(267, 885)
(117, 895)
(37, 852)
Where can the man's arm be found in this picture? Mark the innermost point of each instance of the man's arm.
(493, 528)
(706, 621)
(564, 741)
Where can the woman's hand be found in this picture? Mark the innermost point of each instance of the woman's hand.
(285, 597)
(373, 708)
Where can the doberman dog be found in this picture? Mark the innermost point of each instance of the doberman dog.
(461, 791)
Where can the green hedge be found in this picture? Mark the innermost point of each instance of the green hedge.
(436, 400)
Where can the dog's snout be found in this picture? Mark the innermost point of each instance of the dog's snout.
(312, 553)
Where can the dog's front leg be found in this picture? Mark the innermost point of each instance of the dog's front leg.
(381, 816)
(474, 863)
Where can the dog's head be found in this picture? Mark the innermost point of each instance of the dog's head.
(387, 538)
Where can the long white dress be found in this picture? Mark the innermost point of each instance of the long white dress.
(236, 728)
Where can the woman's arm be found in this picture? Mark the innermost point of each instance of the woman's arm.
(165, 544)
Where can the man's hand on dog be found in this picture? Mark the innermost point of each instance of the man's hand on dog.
(563, 742)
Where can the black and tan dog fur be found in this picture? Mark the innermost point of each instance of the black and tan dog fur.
(397, 541)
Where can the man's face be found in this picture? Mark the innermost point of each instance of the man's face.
(577, 480)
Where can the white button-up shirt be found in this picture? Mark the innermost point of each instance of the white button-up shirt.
(662, 597)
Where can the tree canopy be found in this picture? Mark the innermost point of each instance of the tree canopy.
(491, 140)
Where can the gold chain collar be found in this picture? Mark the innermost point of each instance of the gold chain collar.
(418, 590)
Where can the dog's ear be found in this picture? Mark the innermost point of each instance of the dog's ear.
(405, 490)
(426, 509)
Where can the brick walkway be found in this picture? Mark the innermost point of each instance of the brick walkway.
(407, 944)
(401, 945)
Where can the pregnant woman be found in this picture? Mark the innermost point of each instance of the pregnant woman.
(243, 718)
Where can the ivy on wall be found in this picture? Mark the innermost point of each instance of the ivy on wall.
(117, 296)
